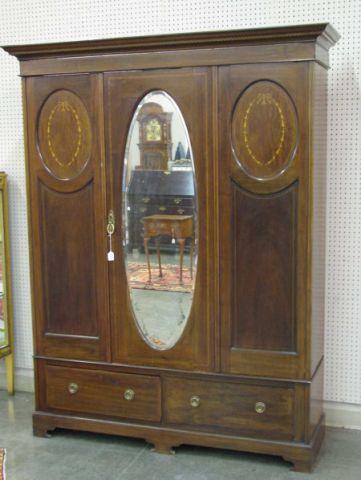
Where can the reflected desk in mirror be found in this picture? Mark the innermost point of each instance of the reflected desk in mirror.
(152, 192)
(178, 227)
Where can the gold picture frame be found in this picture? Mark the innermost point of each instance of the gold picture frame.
(6, 331)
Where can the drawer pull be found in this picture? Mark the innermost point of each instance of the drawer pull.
(145, 199)
(195, 401)
(260, 407)
(73, 388)
(177, 200)
(129, 394)
(162, 209)
(180, 211)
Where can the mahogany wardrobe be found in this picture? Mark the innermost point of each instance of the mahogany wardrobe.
(176, 202)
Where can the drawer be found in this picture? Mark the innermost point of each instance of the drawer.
(230, 407)
(103, 393)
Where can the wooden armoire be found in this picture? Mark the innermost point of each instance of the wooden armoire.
(247, 370)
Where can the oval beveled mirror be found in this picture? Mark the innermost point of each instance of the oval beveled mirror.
(159, 220)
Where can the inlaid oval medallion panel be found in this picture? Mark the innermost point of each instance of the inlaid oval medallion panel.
(264, 130)
(64, 134)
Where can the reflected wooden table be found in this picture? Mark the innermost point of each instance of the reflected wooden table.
(179, 227)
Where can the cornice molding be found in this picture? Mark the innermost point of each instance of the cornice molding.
(322, 33)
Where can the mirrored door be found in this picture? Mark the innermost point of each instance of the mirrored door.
(158, 131)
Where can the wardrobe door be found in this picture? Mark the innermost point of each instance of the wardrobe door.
(263, 205)
(159, 190)
(67, 216)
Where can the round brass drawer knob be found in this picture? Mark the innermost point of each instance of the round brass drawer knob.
(129, 394)
(73, 388)
(195, 401)
(260, 407)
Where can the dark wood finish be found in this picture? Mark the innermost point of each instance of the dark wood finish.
(123, 92)
(103, 393)
(67, 214)
(318, 176)
(263, 263)
(302, 456)
(70, 299)
(231, 407)
(254, 105)
(315, 405)
(282, 261)
(233, 55)
(64, 134)
(322, 33)
(264, 152)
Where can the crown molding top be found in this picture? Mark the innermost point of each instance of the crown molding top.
(321, 33)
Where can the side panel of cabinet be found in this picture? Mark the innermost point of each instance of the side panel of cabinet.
(263, 181)
(319, 192)
(191, 91)
(67, 211)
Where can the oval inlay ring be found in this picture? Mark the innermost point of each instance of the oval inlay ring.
(64, 135)
(264, 130)
(64, 106)
(264, 99)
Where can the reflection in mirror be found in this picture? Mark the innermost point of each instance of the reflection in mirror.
(159, 220)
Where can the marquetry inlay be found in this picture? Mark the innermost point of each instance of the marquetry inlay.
(264, 130)
(264, 99)
(64, 134)
(64, 107)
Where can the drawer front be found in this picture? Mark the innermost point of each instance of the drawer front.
(103, 393)
(230, 407)
(172, 210)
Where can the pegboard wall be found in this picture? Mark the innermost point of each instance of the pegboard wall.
(36, 21)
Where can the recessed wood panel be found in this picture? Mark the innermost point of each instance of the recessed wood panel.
(264, 130)
(264, 244)
(69, 261)
(64, 134)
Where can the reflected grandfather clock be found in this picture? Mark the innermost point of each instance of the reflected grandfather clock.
(155, 138)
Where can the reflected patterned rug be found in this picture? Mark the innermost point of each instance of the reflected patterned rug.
(169, 282)
(2, 463)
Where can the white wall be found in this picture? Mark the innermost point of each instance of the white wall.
(26, 21)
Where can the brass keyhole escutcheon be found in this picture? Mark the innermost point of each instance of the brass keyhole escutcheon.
(73, 388)
(260, 407)
(110, 223)
(129, 394)
(195, 401)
